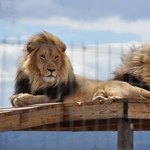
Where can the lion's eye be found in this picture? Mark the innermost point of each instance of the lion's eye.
(56, 58)
(43, 57)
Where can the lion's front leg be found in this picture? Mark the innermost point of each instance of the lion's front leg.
(120, 90)
(102, 96)
(21, 99)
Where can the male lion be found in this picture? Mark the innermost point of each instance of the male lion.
(45, 75)
(136, 67)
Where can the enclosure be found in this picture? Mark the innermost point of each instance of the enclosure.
(56, 126)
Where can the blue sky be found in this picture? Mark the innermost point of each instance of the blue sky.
(89, 22)
(96, 21)
(76, 23)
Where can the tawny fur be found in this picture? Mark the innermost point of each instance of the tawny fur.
(137, 65)
(45, 75)
(27, 66)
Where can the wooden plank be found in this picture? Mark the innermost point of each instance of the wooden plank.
(90, 125)
(141, 125)
(41, 115)
(139, 111)
(6, 111)
(93, 111)
(52, 116)
(131, 100)
(31, 117)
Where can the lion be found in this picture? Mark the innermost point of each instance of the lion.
(45, 75)
(135, 68)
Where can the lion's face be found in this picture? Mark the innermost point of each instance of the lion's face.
(45, 61)
(48, 60)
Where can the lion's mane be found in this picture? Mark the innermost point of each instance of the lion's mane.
(28, 78)
(136, 67)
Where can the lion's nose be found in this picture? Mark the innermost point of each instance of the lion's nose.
(51, 70)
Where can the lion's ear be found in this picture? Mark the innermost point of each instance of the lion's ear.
(30, 46)
(63, 47)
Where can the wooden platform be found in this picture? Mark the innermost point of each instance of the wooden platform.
(89, 116)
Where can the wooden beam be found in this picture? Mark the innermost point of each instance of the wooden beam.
(125, 131)
(90, 110)
(54, 117)
(139, 111)
(31, 116)
(43, 114)
(125, 134)
(90, 125)
(129, 100)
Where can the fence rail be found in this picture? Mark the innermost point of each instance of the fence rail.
(124, 117)
(47, 116)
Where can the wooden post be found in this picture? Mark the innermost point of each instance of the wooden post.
(125, 131)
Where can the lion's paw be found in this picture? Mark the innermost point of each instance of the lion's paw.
(101, 98)
(18, 100)
(114, 97)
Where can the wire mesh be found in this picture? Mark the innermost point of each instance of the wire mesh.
(97, 62)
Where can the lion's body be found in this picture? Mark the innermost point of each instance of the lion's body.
(45, 75)
(136, 67)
